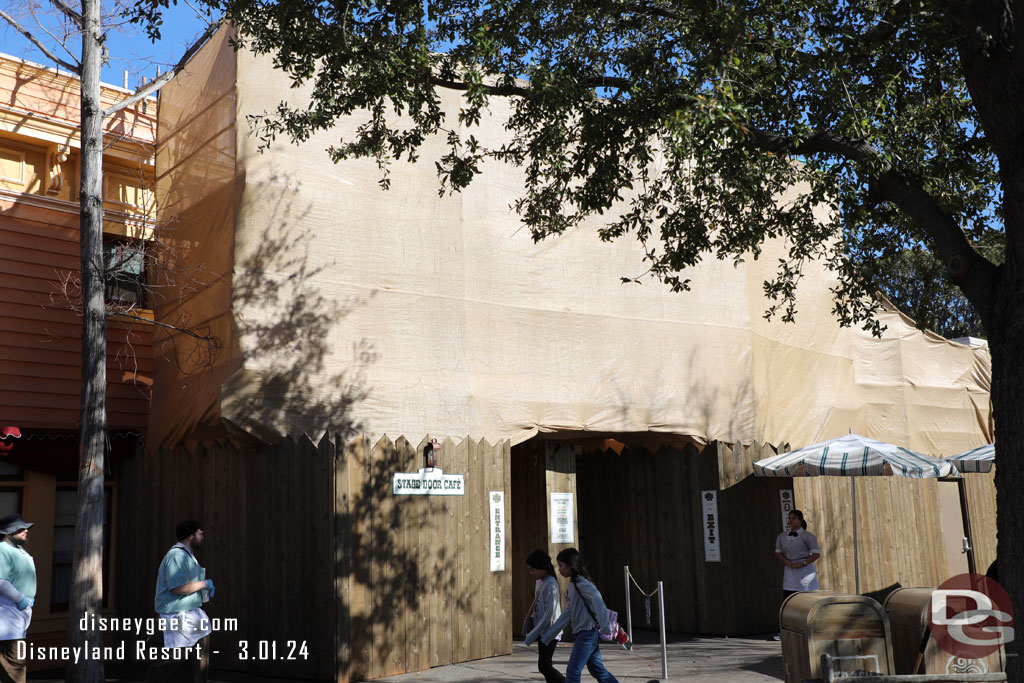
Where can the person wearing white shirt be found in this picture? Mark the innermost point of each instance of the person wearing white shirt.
(586, 610)
(546, 612)
(798, 550)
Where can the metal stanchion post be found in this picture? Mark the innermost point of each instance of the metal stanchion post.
(664, 641)
(629, 609)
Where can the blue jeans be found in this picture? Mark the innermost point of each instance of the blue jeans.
(585, 651)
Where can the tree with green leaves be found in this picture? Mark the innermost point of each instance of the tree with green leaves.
(85, 24)
(682, 123)
(913, 279)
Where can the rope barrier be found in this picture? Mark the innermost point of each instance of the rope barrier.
(660, 592)
(647, 597)
(642, 592)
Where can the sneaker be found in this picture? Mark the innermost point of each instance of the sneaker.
(776, 637)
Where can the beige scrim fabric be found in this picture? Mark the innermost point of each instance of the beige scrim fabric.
(406, 313)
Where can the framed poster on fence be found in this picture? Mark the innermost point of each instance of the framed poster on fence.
(561, 518)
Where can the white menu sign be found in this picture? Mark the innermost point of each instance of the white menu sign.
(712, 541)
(497, 534)
(561, 518)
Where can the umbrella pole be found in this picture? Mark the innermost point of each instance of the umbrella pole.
(961, 488)
(856, 550)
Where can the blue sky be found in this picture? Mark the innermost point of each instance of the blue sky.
(130, 50)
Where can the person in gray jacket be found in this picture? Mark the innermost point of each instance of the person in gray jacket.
(547, 609)
(589, 615)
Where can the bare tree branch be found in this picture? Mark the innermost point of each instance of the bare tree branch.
(967, 268)
(69, 12)
(653, 11)
(819, 143)
(159, 82)
(176, 328)
(524, 91)
(35, 41)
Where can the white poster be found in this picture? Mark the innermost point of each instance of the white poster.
(561, 518)
(786, 501)
(712, 542)
(497, 521)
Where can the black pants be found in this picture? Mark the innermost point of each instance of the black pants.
(197, 667)
(551, 674)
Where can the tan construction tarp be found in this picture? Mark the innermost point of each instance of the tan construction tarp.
(343, 306)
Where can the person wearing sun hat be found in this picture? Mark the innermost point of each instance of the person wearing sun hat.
(17, 594)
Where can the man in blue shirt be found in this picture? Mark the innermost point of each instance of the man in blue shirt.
(181, 589)
(17, 594)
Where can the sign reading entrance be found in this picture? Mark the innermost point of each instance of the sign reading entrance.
(497, 552)
(429, 481)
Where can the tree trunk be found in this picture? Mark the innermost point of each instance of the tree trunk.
(1006, 342)
(87, 561)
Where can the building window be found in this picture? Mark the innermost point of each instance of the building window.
(125, 263)
(10, 472)
(64, 518)
(10, 500)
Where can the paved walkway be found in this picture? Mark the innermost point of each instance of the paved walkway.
(691, 659)
(696, 659)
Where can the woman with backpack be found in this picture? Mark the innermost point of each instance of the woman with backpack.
(589, 616)
(545, 612)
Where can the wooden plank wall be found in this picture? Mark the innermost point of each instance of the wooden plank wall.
(899, 527)
(539, 468)
(40, 337)
(981, 497)
(305, 541)
(267, 516)
(414, 587)
(529, 522)
(560, 476)
(644, 510)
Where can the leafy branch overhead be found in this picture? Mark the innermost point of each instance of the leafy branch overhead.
(691, 119)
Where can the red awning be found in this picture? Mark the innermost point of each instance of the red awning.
(5, 433)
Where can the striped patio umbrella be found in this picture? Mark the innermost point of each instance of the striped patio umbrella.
(978, 459)
(853, 456)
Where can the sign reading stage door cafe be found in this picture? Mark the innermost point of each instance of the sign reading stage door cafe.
(429, 481)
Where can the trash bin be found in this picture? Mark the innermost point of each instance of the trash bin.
(908, 618)
(852, 629)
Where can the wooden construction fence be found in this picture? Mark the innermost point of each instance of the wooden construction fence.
(644, 510)
(900, 534)
(306, 542)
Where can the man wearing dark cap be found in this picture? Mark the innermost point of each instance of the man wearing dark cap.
(181, 589)
(17, 594)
